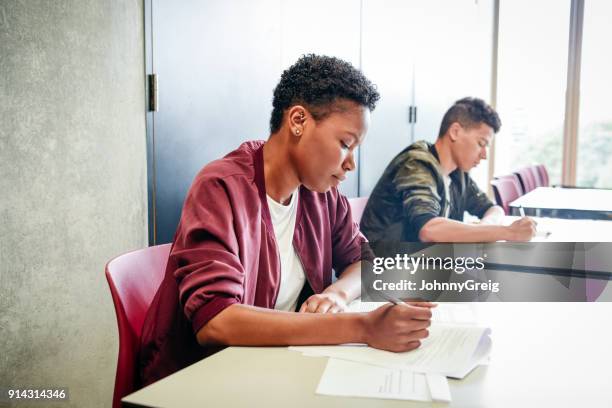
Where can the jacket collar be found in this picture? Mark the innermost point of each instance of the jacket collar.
(260, 182)
(456, 175)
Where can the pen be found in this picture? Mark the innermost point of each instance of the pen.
(521, 211)
(413, 302)
(392, 299)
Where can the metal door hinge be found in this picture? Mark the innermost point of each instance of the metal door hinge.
(412, 114)
(153, 93)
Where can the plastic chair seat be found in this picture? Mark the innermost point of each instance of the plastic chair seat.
(133, 279)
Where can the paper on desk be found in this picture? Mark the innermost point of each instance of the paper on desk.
(450, 350)
(351, 379)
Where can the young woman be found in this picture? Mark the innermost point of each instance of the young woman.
(265, 224)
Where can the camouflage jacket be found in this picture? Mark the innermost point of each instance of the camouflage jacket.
(411, 192)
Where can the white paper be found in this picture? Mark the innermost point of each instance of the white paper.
(450, 350)
(351, 379)
(438, 387)
(452, 313)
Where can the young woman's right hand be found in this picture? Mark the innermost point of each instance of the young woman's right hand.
(397, 327)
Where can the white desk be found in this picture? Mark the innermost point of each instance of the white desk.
(580, 203)
(544, 355)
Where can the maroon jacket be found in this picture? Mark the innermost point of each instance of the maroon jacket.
(224, 252)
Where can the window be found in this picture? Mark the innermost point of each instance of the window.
(594, 167)
(532, 76)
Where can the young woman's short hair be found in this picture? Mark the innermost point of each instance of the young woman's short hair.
(318, 82)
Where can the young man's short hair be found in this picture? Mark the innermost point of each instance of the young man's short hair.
(470, 112)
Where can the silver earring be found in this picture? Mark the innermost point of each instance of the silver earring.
(297, 132)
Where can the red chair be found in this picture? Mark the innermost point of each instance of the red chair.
(543, 175)
(358, 205)
(514, 179)
(527, 179)
(133, 279)
(506, 190)
(536, 176)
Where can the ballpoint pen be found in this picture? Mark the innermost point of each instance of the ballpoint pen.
(392, 299)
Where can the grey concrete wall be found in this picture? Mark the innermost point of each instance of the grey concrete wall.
(72, 187)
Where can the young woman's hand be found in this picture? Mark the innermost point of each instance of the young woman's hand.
(397, 327)
(326, 302)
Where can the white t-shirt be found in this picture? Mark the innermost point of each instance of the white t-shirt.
(447, 182)
(292, 272)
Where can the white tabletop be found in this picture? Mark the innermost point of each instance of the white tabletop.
(544, 355)
(569, 230)
(580, 199)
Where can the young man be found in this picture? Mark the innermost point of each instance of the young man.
(264, 225)
(425, 190)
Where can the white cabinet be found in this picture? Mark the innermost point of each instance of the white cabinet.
(424, 55)
(219, 60)
(326, 28)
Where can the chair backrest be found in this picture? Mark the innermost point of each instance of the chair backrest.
(536, 176)
(514, 179)
(543, 175)
(506, 190)
(358, 205)
(527, 179)
(133, 279)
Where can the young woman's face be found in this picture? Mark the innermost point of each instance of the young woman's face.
(326, 149)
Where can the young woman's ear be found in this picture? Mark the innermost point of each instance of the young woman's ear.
(297, 119)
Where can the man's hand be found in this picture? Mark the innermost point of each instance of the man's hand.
(522, 230)
(326, 302)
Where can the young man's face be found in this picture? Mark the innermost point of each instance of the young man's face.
(326, 150)
(470, 145)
